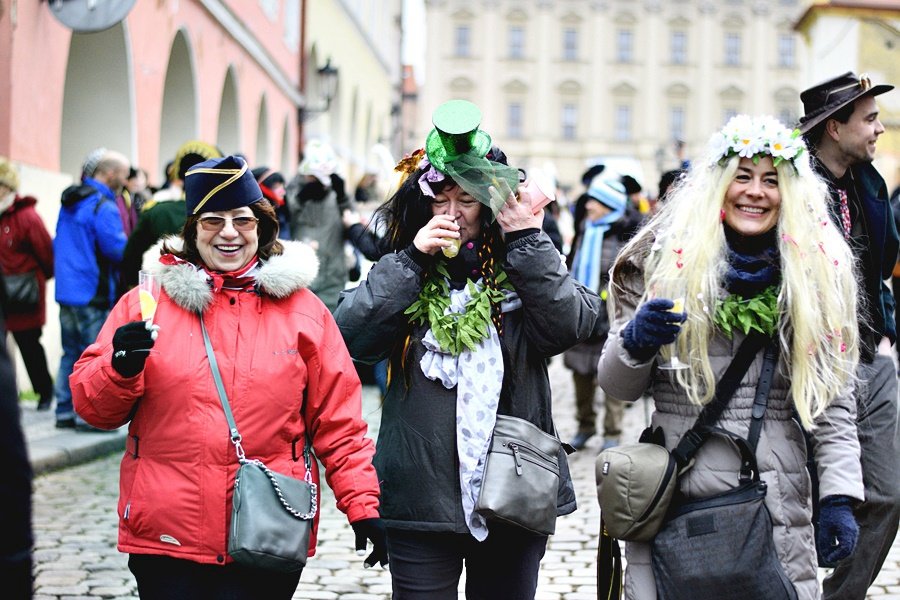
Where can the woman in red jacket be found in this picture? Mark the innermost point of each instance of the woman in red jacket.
(286, 373)
(26, 259)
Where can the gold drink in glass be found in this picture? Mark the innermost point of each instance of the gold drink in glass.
(453, 249)
(675, 289)
(148, 294)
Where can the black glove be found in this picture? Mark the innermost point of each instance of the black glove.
(653, 325)
(131, 346)
(838, 530)
(371, 529)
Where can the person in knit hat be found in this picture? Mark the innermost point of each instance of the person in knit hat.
(27, 263)
(286, 372)
(605, 220)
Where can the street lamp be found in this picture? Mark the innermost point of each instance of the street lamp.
(326, 85)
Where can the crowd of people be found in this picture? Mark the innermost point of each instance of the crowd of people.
(776, 234)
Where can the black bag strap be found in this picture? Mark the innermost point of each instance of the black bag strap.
(697, 435)
(609, 566)
(761, 401)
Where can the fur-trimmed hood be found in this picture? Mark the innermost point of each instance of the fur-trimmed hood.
(280, 276)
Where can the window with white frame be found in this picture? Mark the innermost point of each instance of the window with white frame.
(676, 122)
(569, 121)
(786, 48)
(570, 44)
(462, 41)
(732, 49)
(516, 42)
(728, 113)
(514, 120)
(622, 126)
(678, 43)
(624, 46)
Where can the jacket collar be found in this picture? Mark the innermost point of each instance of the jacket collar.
(279, 277)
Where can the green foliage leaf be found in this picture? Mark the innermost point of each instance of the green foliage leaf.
(759, 313)
(455, 332)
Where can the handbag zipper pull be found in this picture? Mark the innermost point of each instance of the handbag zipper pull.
(516, 457)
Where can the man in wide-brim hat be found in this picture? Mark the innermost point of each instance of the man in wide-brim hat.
(842, 127)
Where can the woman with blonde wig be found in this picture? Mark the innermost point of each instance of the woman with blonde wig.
(747, 233)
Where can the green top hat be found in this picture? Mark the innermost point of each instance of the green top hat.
(455, 133)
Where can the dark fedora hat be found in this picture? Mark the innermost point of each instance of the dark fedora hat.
(826, 98)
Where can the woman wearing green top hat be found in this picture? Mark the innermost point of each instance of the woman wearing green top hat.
(461, 242)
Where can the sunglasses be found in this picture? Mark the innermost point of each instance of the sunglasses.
(239, 223)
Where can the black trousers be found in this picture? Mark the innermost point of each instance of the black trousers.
(428, 565)
(166, 578)
(29, 343)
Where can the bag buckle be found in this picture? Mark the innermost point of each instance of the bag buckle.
(236, 440)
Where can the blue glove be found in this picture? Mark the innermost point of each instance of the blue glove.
(652, 326)
(838, 530)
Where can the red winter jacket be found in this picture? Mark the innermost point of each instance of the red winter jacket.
(25, 245)
(177, 474)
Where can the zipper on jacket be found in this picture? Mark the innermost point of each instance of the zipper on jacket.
(516, 457)
(127, 510)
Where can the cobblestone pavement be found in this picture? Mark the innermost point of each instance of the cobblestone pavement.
(75, 523)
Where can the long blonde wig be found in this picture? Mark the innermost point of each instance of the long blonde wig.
(817, 301)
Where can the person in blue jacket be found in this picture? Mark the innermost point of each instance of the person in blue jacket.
(88, 248)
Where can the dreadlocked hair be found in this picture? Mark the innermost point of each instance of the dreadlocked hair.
(487, 254)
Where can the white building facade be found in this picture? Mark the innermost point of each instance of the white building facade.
(361, 39)
(571, 82)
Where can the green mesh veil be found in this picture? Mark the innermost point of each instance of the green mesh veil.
(476, 175)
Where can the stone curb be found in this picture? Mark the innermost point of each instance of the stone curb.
(69, 448)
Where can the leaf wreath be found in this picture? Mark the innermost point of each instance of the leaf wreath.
(455, 332)
(759, 313)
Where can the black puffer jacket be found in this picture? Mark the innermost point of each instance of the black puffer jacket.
(416, 451)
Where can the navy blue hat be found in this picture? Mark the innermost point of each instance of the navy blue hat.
(220, 184)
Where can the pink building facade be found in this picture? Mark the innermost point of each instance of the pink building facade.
(224, 71)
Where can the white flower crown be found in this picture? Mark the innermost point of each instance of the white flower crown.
(753, 137)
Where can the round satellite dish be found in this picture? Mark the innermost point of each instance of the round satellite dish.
(89, 16)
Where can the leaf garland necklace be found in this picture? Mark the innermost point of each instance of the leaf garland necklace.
(455, 332)
(759, 313)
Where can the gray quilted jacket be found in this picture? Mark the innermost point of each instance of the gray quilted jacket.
(781, 453)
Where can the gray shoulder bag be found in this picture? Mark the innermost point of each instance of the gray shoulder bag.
(272, 514)
(722, 546)
(521, 470)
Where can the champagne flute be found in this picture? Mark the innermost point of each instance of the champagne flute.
(148, 295)
(675, 289)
